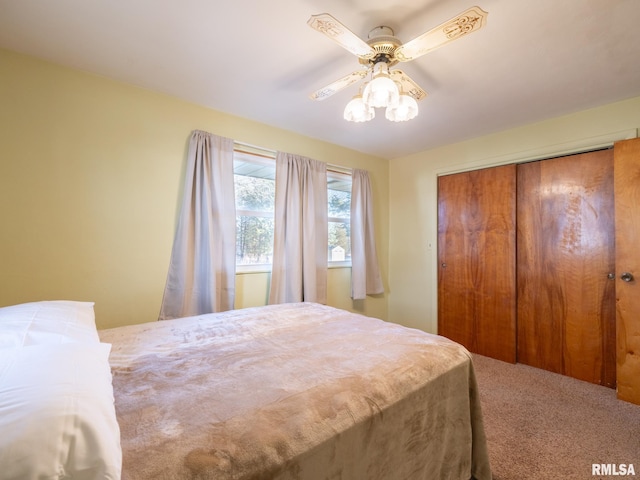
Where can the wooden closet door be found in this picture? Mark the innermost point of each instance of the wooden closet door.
(565, 252)
(627, 186)
(476, 257)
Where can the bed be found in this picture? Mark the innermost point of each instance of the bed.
(295, 391)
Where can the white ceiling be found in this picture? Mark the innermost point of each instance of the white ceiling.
(535, 59)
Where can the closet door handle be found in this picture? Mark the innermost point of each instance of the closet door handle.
(626, 277)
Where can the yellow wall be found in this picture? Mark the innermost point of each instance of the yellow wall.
(90, 177)
(413, 193)
(91, 172)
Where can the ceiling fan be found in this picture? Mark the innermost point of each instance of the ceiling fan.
(391, 89)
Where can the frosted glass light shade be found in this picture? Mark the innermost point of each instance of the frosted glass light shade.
(381, 91)
(357, 111)
(406, 110)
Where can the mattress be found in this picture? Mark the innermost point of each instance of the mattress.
(294, 391)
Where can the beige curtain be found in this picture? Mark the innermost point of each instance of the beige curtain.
(201, 276)
(299, 271)
(365, 274)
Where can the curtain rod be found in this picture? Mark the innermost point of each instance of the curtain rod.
(254, 150)
(266, 153)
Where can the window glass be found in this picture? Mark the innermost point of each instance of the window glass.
(254, 178)
(339, 212)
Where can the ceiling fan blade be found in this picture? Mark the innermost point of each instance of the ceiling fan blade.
(408, 85)
(336, 31)
(467, 22)
(338, 85)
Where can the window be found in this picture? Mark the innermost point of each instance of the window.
(255, 187)
(254, 176)
(339, 198)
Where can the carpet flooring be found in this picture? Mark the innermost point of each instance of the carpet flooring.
(541, 425)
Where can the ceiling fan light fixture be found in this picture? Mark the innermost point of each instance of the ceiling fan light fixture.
(358, 111)
(382, 51)
(381, 91)
(407, 109)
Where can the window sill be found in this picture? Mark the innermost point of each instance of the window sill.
(249, 269)
(340, 264)
(246, 269)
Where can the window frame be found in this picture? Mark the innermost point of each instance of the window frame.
(339, 174)
(259, 156)
(255, 156)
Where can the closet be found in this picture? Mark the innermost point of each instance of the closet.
(527, 258)
(476, 260)
(565, 266)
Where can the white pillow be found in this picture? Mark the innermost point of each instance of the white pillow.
(47, 322)
(57, 414)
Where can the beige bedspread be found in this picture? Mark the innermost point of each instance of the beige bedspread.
(294, 391)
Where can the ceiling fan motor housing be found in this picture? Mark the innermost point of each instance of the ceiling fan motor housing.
(384, 43)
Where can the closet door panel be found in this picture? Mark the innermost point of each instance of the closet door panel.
(565, 251)
(476, 257)
(540, 303)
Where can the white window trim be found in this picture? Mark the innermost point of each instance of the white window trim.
(254, 213)
(256, 268)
